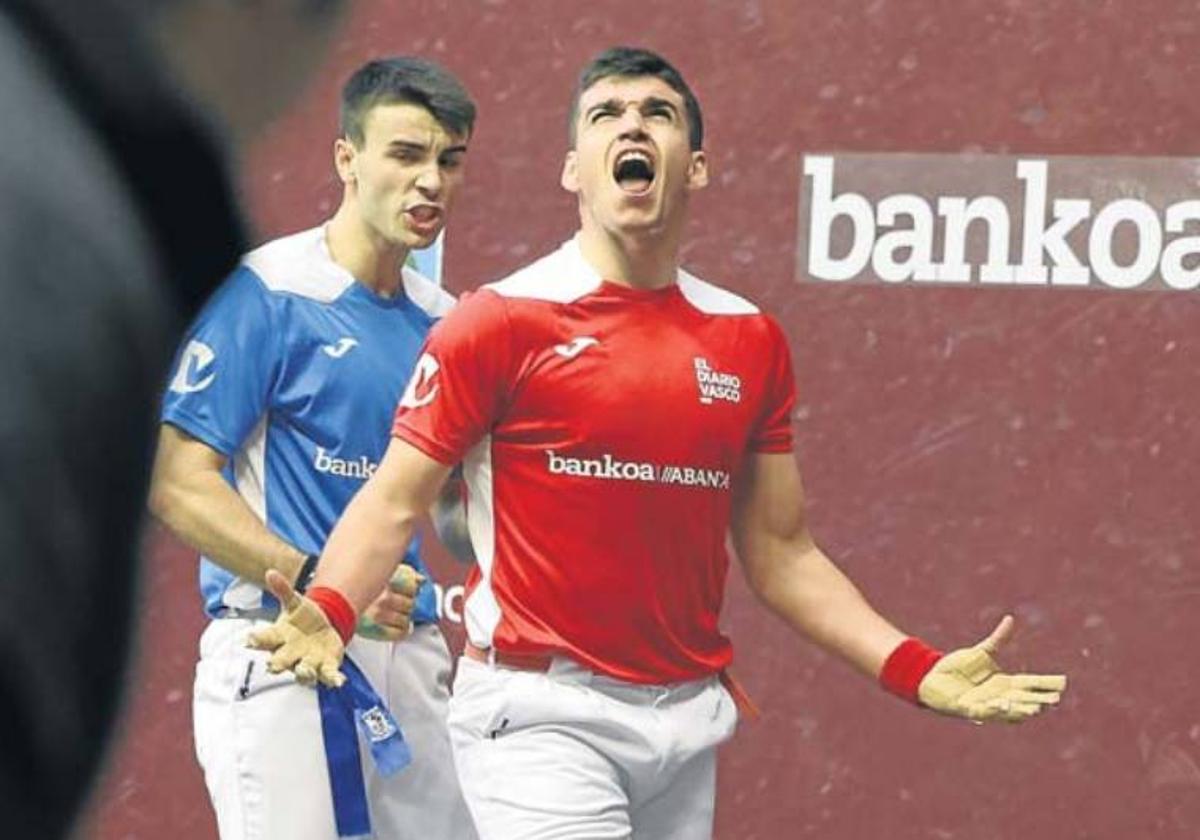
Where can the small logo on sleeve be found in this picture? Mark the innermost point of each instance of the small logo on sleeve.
(715, 385)
(421, 388)
(196, 359)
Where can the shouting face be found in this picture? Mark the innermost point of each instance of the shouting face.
(405, 174)
(632, 166)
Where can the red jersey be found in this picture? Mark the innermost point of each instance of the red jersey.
(601, 429)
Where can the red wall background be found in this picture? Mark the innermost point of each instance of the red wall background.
(966, 452)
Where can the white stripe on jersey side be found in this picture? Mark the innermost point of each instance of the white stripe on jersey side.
(481, 613)
(250, 478)
(564, 276)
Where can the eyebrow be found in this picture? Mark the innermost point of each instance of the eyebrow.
(659, 102)
(610, 104)
(417, 146)
(614, 103)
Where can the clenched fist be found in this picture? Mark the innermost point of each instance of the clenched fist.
(389, 617)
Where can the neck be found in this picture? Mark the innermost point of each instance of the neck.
(642, 260)
(368, 257)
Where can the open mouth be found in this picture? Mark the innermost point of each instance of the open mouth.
(424, 215)
(633, 171)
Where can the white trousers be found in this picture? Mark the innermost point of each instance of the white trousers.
(571, 755)
(259, 741)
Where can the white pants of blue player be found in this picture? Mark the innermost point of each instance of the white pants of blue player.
(259, 741)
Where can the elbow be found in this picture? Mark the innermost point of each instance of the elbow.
(163, 501)
(775, 568)
(762, 583)
(158, 501)
(406, 519)
(376, 509)
(756, 567)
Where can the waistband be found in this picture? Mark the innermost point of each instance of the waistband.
(545, 663)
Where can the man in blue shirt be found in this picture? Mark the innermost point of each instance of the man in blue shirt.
(278, 410)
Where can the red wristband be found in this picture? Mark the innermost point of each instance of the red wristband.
(336, 608)
(906, 666)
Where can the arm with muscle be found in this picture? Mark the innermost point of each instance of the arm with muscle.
(790, 573)
(190, 496)
(310, 635)
(370, 538)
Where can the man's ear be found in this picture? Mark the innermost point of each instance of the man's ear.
(344, 155)
(698, 171)
(570, 173)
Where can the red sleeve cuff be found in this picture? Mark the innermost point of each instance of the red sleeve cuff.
(773, 447)
(906, 666)
(336, 608)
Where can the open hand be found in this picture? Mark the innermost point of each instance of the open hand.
(968, 683)
(302, 638)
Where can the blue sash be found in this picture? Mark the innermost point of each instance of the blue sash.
(345, 712)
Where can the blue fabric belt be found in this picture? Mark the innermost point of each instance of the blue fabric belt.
(345, 712)
(425, 605)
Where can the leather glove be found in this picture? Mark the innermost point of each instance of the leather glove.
(968, 683)
(389, 617)
(302, 638)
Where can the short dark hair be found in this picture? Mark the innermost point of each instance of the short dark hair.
(633, 61)
(418, 81)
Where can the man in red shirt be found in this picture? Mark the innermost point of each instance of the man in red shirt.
(616, 417)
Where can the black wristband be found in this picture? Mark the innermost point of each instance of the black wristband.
(306, 572)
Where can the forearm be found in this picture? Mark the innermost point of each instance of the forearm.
(365, 547)
(207, 514)
(808, 591)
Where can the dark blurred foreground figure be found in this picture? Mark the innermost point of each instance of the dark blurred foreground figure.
(116, 219)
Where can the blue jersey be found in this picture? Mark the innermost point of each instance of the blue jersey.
(293, 371)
